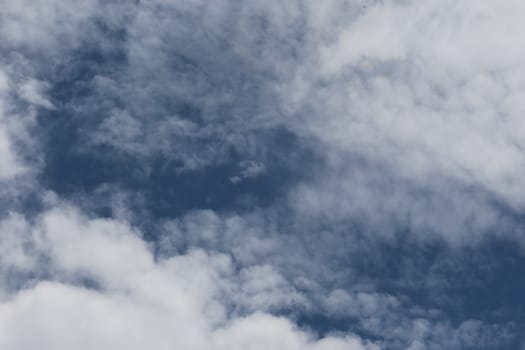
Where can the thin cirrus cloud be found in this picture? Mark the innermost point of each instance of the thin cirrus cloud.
(299, 175)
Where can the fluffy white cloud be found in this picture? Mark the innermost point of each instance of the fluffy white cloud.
(415, 105)
(135, 301)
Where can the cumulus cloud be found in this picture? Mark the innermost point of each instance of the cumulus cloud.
(134, 301)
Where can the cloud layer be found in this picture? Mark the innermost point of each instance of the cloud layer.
(299, 175)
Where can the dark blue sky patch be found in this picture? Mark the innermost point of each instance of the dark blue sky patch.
(215, 98)
(482, 281)
(167, 190)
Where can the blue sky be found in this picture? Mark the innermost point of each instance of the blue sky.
(218, 175)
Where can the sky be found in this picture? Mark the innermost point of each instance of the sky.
(252, 175)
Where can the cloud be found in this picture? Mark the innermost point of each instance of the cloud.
(137, 301)
(43, 28)
(249, 169)
(413, 113)
(18, 100)
(10, 165)
(385, 138)
(32, 92)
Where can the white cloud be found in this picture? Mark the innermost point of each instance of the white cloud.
(138, 302)
(42, 27)
(249, 169)
(416, 97)
(18, 99)
(261, 287)
(10, 163)
(415, 107)
(261, 331)
(33, 91)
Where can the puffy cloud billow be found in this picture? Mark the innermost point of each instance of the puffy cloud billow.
(339, 174)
